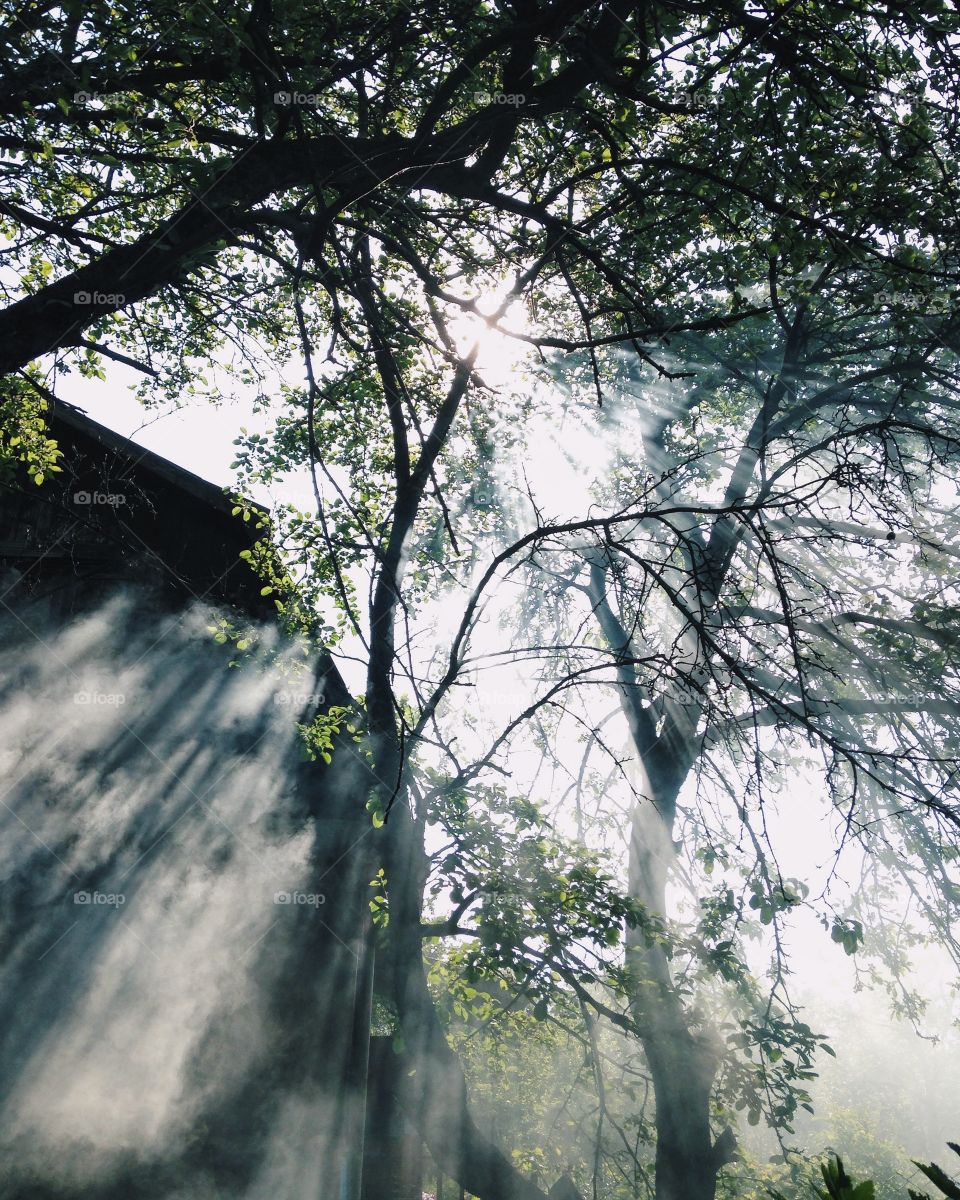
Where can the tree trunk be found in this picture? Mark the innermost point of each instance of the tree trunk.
(682, 1062)
(682, 1070)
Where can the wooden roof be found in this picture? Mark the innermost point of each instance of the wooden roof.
(118, 513)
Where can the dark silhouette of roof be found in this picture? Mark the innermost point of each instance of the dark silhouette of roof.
(118, 513)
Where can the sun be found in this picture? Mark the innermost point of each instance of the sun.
(500, 356)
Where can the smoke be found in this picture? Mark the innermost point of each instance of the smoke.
(171, 929)
(888, 1096)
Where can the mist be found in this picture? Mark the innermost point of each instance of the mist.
(892, 1093)
(168, 939)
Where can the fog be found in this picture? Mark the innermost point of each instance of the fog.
(159, 1000)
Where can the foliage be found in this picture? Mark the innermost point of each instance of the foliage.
(839, 1186)
(730, 234)
(531, 1078)
(25, 443)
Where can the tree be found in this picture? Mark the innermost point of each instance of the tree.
(720, 191)
(735, 572)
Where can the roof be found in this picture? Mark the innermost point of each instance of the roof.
(64, 416)
(118, 512)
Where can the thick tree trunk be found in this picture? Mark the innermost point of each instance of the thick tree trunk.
(687, 1160)
(682, 1062)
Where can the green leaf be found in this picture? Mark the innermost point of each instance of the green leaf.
(940, 1179)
